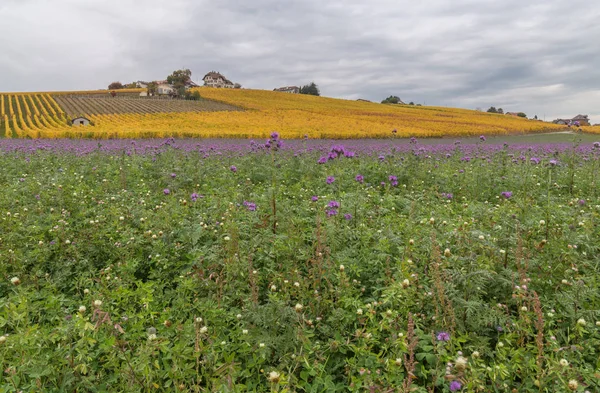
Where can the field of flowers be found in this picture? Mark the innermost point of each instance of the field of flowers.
(298, 266)
(46, 115)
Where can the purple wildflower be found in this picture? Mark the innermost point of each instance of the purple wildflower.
(330, 179)
(443, 336)
(322, 160)
(37, 197)
(581, 202)
(194, 197)
(455, 386)
(348, 216)
(250, 205)
(359, 178)
(274, 135)
(233, 168)
(482, 138)
(381, 157)
(333, 204)
(553, 162)
(314, 198)
(447, 195)
(166, 191)
(506, 194)
(393, 180)
(535, 160)
(173, 175)
(596, 145)
(331, 212)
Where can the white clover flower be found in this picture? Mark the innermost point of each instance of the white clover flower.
(97, 303)
(524, 309)
(203, 329)
(581, 322)
(565, 282)
(239, 316)
(15, 281)
(273, 288)
(342, 268)
(297, 284)
(447, 252)
(2, 339)
(500, 344)
(598, 323)
(461, 363)
(564, 362)
(502, 252)
(198, 320)
(261, 345)
(121, 218)
(405, 283)
(573, 384)
(398, 361)
(152, 337)
(359, 311)
(542, 222)
(67, 241)
(274, 376)
(411, 242)
(227, 238)
(475, 354)
(245, 331)
(481, 237)
(82, 309)
(298, 307)
(86, 291)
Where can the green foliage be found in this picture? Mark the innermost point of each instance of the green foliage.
(521, 114)
(392, 100)
(209, 295)
(310, 89)
(179, 79)
(492, 110)
(115, 86)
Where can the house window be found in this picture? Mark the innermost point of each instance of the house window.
(81, 122)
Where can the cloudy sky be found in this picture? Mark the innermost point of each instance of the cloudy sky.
(541, 57)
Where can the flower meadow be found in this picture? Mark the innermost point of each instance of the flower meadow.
(298, 266)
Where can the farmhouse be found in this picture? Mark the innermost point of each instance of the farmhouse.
(582, 120)
(215, 79)
(164, 88)
(288, 89)
(80, 121)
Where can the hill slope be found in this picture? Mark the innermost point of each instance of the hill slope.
(294, 116)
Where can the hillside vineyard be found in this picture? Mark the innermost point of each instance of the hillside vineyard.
(240, 113)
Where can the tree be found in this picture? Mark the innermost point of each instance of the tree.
(311, 89)
(501, 111)
(535, 117)
(392, 100)
(492, 110)
(152, 88)
(115, 86)
(521, 114)
(179, 80)
(411, 103)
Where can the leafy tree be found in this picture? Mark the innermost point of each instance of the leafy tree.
(521, 114)
(152, 88)
(179, 79)
(492, 110)
(535, 117)
(501, 111)
(392, 100)
(310, 89)
(115, 86)
(411, 103)
(195, 95)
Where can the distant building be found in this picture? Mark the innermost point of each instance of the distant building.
(215, 79)
(362, 100)
(288, 89)
(164, 88)
(581, 120)
(80, 121)
(141, 84)
(515, 114)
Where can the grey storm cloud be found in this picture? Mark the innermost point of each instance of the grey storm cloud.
(539, 57)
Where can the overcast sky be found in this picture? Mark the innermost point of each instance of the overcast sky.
(539, 57)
